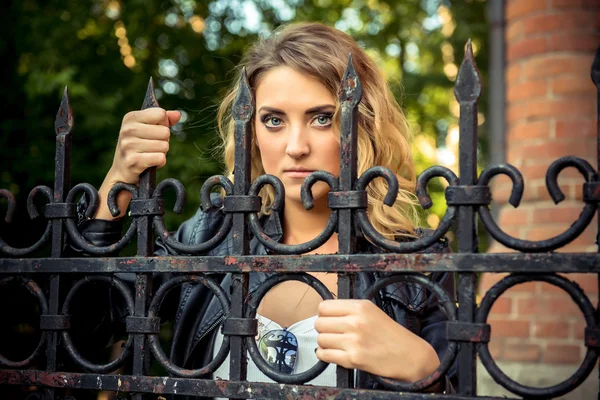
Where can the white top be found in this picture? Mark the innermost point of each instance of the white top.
(307, 343)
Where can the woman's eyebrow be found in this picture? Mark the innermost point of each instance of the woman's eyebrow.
(323, 108)
(271, 110)
(312, 110)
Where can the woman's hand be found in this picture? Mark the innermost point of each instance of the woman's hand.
(143, 143)
(357, 334)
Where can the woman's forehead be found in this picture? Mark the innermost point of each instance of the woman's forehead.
(286, 88)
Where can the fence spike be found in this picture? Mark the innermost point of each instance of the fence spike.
(150, 98)
(63, 124)
(242, 106)
(468, 81)
(351, 89)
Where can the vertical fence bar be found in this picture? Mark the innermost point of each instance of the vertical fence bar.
(63, 125)
(350, 95)
(242, 111)
(467, 91)
(596, 79)
(145, 248)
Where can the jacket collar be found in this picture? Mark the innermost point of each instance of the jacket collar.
(273, 227)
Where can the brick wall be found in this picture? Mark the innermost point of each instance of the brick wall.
(551, 105)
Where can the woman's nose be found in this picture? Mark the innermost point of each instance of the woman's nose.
(298, 143)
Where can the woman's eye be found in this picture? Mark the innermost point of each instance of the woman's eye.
(323, 120)
(272, 122)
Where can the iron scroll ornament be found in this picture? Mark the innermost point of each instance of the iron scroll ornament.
(499, 376)
(38, 293)
(153, 339)
(66, 336)
(207, 187)
(251, 345)
(17, 252)
(528, 246)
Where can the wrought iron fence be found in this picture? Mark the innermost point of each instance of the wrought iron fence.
(466, 195)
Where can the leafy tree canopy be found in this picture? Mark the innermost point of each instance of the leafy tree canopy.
(106, 50)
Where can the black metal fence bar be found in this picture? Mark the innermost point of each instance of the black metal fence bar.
(466, 196)
(467, 91)
(145, 248)
(540, 263)
(208, 387)
(243, 110)
(350, 98)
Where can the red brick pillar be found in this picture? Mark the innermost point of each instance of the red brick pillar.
(550, 113)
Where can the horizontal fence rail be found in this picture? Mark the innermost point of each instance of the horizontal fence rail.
(468, 331)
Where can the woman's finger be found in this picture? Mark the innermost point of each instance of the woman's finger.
(174, 117)
(148, 160)
(332, 341)
(147, 131)
(150, 146)
(331, 325)
(341, 307)
(333, 356)
(153, 115)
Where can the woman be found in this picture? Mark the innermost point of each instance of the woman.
(295, 76)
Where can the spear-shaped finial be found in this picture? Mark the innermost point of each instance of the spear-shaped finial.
(150, 98)
(468, 81)
(243, 105)
(351, 89)
(63, 124)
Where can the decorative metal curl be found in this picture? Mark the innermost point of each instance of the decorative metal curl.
(280, 248)
(179, 192)
(169, 239)
(425, 241)
(35, 290)
(448, 306)
(12, 204)
(154, 308)
(113, 193)
(70, 347)
(556, 168)
(500, 377)
(92, 194)
(306, 189)
(33, 213)
(251, 345)
(529, 246)
(515, 176)
(380, 172)
(207, 187)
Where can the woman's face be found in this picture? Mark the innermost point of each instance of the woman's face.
(294, 129)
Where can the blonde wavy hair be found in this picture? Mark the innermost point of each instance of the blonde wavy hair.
(383, 132)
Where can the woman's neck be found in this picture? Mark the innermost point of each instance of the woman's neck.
(301, 225)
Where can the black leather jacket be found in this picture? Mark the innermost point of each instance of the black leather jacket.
(198, 314)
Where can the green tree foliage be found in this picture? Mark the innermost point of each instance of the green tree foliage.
(105, 51)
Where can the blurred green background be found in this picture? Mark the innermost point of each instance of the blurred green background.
(106, 50)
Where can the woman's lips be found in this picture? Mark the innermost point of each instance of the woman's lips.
(298, 174)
